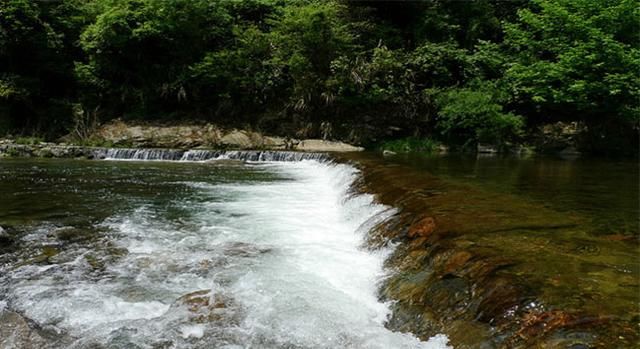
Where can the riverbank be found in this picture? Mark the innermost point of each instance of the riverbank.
(120, 135)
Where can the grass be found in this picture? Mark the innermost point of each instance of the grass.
(31, 140)
(410, 145)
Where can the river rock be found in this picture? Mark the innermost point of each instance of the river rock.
(319, 145)
(237, 139)
(119, 133)
(5, 238)
(277, 143)
(423, 228)
(487, 149)
(388, 152)
(16, 333)
(206, 306)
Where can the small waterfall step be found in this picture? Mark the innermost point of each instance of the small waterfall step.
(205, 155)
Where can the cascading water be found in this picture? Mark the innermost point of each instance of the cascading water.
(204, 155)
(271, 262)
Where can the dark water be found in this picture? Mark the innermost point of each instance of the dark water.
(605, 193)
(67, 192)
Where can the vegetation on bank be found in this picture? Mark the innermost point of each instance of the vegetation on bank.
(459, 72)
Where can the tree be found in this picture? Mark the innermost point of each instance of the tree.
(576, 60)
(139, 52)
(36, 69)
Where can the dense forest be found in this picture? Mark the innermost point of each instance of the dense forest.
(458, 72)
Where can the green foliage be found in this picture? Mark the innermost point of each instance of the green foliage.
(474, 116)
(576, 59)
(464, 72)
(139, 52)
(306, 39)
(32, 140)
(410, 145)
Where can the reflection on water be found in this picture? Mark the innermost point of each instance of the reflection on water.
(604, 192)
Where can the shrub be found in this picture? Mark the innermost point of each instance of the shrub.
(468, 116)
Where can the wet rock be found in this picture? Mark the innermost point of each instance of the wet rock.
(94, 262)
(70, 234)
(423, 228)
(456, 262)
(242, 249)
(388, 152)
(207, 306)
(16, 333)
(487, 149)
(5, 238)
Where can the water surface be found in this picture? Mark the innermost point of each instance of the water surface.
(194, 255)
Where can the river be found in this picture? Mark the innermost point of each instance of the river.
(224, 254)
(287, 250)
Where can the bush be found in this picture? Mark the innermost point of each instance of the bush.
(468, 116)
(31, 140)
(410, 145)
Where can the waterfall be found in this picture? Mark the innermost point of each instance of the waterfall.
(205, 155)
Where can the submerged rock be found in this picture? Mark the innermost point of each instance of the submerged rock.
(243, 249)
(16, 333)
(207, 306)
(423, 228)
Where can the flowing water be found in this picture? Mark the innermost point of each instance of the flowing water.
(220, 254)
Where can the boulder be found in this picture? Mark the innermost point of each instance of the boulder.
(276, 143)
(319, 145)
(237, 139)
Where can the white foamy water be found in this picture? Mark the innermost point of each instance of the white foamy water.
(280, 262)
